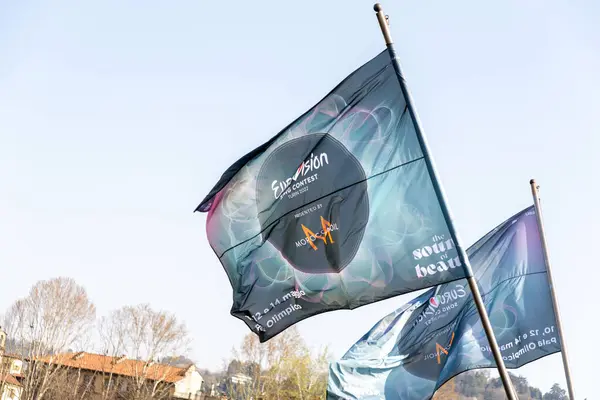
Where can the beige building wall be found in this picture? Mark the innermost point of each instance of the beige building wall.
(11, 392)
(190, 384)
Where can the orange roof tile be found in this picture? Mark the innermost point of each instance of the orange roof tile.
(11, 380)
(109, 365)
(11, 355)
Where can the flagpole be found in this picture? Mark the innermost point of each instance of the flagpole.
(538, 212)
(487, 326)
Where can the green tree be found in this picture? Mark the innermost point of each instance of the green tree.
(234, 367)
(556, 393)
(478, 385)
(535, 393)
(472, 384)
(284, 368)
(520, 384)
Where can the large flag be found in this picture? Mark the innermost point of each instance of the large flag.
(336, 211)
(410, 353)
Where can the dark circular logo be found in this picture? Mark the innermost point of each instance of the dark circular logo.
(312, 203)
(430, 334)
(449, 323)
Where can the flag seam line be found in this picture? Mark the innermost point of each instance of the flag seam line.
(320, 198)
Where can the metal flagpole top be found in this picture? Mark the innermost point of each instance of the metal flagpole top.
(383, 23)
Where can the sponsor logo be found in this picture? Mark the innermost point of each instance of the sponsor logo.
(439, 350)
(324, 234)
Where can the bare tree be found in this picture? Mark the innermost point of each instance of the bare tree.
(56, 315)
(248, 361)
(145, 335)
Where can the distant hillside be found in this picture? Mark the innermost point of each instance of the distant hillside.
(479, 386)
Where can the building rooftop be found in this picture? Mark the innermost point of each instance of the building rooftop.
(11, 380)
(117, 366)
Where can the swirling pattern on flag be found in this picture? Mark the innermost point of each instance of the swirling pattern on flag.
(411, 352)
(328, 213)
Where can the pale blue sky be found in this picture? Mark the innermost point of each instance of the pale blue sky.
(117, 118)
